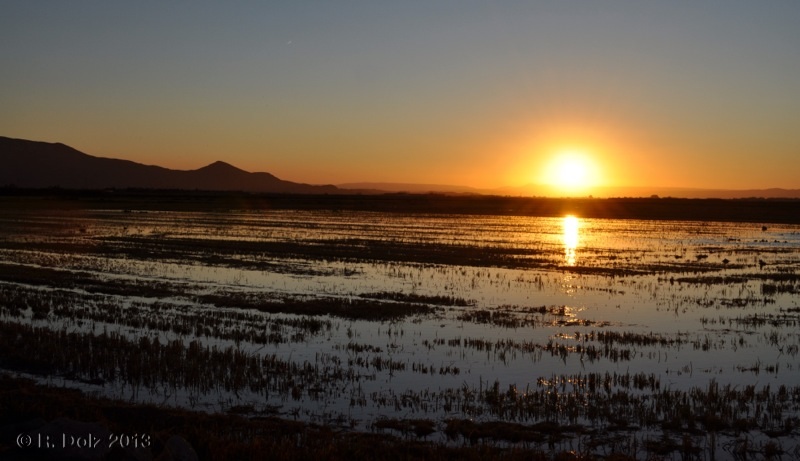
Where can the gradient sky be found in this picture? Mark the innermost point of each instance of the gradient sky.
(669, 93)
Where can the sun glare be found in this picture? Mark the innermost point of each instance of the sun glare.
(571, 171)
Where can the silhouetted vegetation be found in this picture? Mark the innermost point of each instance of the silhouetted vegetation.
(754, 210)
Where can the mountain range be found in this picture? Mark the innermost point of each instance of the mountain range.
(33, 164)
(38, 165)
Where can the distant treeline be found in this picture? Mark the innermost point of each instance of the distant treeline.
(756, 210)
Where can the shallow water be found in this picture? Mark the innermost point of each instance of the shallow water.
(531, 304)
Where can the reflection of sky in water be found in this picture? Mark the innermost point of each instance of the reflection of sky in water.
(644, 302)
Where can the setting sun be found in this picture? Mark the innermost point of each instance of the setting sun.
(571, 171)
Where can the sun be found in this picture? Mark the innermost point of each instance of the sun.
(571, 171)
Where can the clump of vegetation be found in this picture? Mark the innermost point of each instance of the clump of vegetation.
(438, 300)
(345, 307)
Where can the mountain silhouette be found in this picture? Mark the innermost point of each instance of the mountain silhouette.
(40, 165)
(34, 164)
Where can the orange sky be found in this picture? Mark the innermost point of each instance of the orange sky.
(681, 95)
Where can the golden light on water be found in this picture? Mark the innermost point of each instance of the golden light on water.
(571, 224)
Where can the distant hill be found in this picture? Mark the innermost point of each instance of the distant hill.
(533, 190)
(32, 164)
(676, 192)
(382, 187)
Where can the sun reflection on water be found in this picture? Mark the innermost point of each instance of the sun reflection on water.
(571, 225)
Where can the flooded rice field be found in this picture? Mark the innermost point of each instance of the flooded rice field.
(660, 338)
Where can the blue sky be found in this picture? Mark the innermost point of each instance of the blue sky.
(678, 93)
